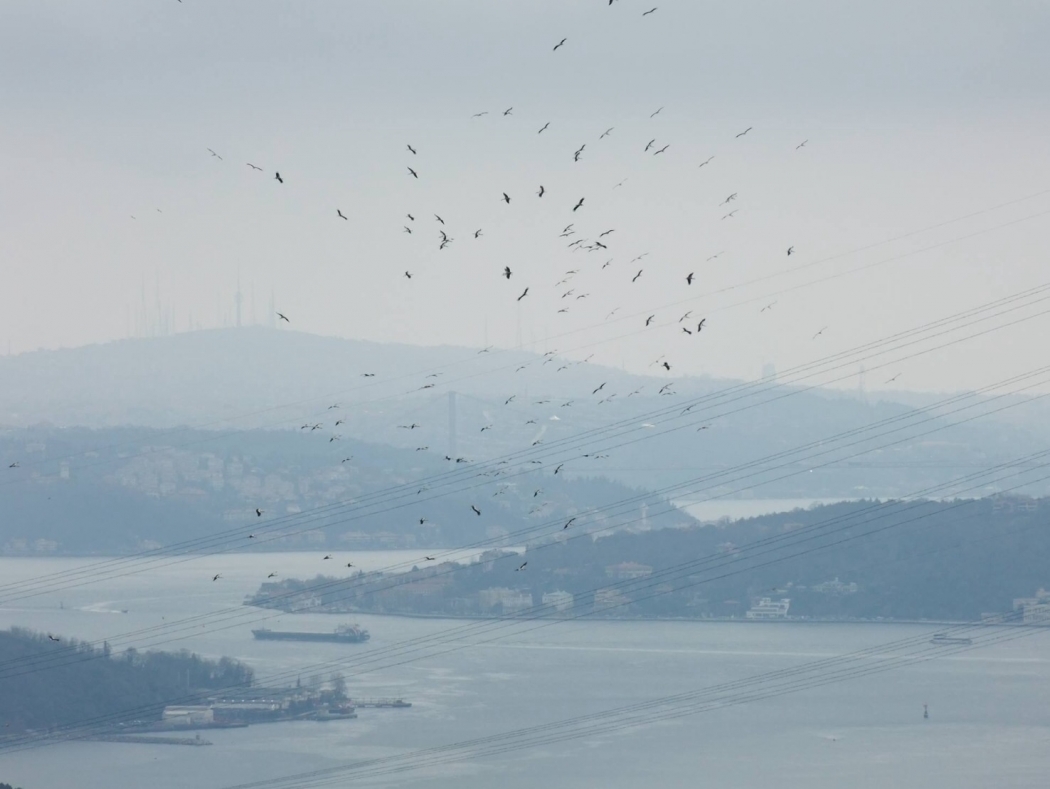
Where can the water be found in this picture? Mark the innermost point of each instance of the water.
(989, 709)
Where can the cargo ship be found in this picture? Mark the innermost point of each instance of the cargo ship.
(942, 639)
(344, 634)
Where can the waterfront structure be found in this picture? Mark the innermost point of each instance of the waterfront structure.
(767, 608)
(559, 601)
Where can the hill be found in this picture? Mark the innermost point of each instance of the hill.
(459, 401)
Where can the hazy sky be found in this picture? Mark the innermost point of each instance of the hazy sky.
(915, 114)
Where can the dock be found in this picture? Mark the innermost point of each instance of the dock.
(143, 739)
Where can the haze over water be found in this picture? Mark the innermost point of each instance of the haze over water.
(989, 722)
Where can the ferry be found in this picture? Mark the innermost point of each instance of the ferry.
(943, 640)
(344, 634)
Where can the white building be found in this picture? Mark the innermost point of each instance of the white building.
(559, 601)
(1034, 610)
(188, 715)
(767, 608)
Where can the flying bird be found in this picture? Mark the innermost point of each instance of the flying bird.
(541, 131)
(216, 577)
(214, 154)
(652, 142)
(649, 320)
(439, 219)
(408, 275)
(568, 523)
(558, 468)
(745, 131)
(506, 198)
(429, 558)
(709, 158)
(53, 638)
(700, 325)
(506, 272)
(667, 367)
(413, 150)
(606, 132)
(328, 556)
(277, 176)
(283, 318)
(523, 565)
(819, 333)
(559, 44)
(791, 251)
(477, 233)
(272, 575)
(650, 11)
(689, 278)
(730, 214)
(729, 199)
(414, 173)
(894, 378)
(14, 465)
(542, 190)
(801, 144)
(507, 111)
(661, 150)
(476, 510)
(340, 214)
(524, 293)
(253, 166)
(259, 512)
(478, 114)
(599, 388)
(638, 274)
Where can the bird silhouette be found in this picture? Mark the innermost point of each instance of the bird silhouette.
(649, 11)
(650, 144)
(524, 293)
(216, 577)
(606, 132)
(506, 198)
(791, 251)
(328, 556)
(439, 219)
(661, 150)
(745, 131)
(272, 575)
(545, 126)
(277, 176)
(542, 190)
(214, 154)
(689, 278)
(283, 318)
(559, 44)
(429, 558)
(476, 510)
(801, 144)
(253, 166)
(599, 388)
(522, 567)
(506, 272)
(577, 205)
(340, 214)
(259, 512)
(414, 173)
(507, 111)
(666, 366)
(413, 150)
(638, 274)
(408, 275)
(649, 320)
(700, 325)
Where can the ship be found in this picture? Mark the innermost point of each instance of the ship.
(942, 639)
(344, 634)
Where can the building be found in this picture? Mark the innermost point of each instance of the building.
(188, 715)
(1034, 610)
(610, 597)
(767, 608)
(559, 601)
(628, 571)
(510, 601)
(835, 587)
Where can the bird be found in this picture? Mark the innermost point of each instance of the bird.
(545, 126)
(568, 523)
(328, 556)
(478, 114)
(659, 110)
(650, 11)
(283, 318)
(689, 278)
(700, 325)
(542, 190)
(506, 272)
(53, 638)
(439, 219)
(709, 158)
(661, 150)
(486, 427)
(216, 577)
(348, 564)
(558, 468)
(745, 131)
(506, 198)
(894, 378)
(253, 166)
(251, 536)
(412, 426)
(422, 521)
(730, 214)
(686, 330)
(524, 293)
(214, 154)
(577, 205)
(477, 233)
(408, 275)
(277, 176)
(14, 465)
(559, 44)
(599, 388)
(414, 173)
(819, 333)
(345, 460)
(507, 111)
(652, 142)
(522, 567)
(607, 232)
(259, 512)
(729, 199)
(429, 558)
(685, 316)
(606, 132)
(638, 274)
(476, 510)
(649, 320)
(410, 218)
(576, 156)
(368, 375)
(272, 575)
(413, 150)
(667, 366)
(768, 306)
(340, 214)
(801, 144)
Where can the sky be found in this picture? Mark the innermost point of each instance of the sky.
(922, 189)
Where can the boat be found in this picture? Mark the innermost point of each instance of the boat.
(942, 639)
(344, 634)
